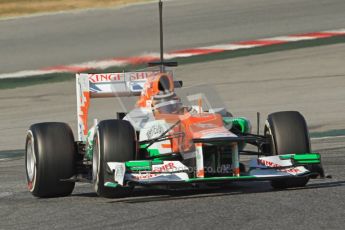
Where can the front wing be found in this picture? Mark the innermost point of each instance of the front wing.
(158, 172)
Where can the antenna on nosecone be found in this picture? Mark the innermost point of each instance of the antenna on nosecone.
(161, 62)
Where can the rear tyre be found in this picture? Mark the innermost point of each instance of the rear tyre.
(289, 134)
(114, 141)
(49, 158)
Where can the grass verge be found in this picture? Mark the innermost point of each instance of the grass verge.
(329, 133)
(12, 8)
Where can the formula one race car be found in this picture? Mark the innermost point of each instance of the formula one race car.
(164, 140)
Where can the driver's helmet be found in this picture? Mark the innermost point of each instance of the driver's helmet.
(166, 102)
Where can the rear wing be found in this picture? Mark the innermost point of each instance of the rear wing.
(107, 85)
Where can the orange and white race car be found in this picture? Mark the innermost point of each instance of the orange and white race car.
(163, 140)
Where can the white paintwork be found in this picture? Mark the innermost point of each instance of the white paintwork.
(119, 170)
(152, 177)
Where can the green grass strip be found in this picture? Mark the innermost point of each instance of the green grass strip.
(329, 133)
(6, 154)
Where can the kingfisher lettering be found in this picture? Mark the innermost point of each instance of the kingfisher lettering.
(138, 76)
(107, 77)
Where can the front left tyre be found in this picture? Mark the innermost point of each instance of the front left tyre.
(49, 159)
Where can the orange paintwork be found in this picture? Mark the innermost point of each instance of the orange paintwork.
(196, 123)
(200, 173)
(151, 89)
(166, 146)
(84, 108)
(236, 171)
(191, 125)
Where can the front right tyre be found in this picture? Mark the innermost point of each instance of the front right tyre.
(114, 141)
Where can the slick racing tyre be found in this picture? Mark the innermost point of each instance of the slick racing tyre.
(288, 133)
(49, 158)
(114, 141)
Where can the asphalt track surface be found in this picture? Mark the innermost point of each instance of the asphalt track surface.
(67, 38)
(310, 80)
(319, 205)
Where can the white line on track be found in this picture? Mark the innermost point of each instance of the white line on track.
(327, 137)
